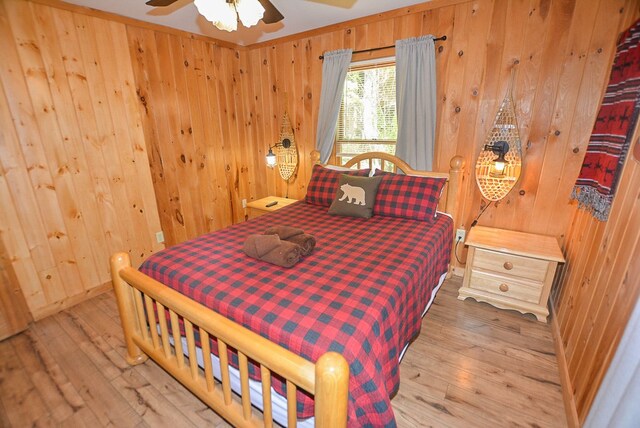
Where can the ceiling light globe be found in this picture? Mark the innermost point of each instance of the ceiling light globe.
(250, 12)
(219, 12)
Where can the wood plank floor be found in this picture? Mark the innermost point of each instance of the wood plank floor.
(472, 366)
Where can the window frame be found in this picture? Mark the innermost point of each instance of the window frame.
(358, 66)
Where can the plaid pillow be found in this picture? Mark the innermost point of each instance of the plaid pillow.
(408, 196)
(324, 184)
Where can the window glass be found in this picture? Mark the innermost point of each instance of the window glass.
(367, 121)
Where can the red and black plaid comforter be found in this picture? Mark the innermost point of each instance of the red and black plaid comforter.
(360, 293)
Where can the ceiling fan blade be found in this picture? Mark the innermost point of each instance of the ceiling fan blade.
(271, 14)
(160, 3)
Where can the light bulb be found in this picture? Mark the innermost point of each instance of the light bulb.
(271, 159)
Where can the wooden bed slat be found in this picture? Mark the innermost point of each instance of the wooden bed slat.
(142, 322)
(243, 366)
(164, 332)
(206, 352)
(265, 376)
(191, 347)
(152, 322)
(224, 371)
(292, 405)
(177, 342)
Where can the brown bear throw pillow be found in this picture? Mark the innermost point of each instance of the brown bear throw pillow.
(355, 196)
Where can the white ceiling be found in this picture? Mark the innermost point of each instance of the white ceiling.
(299, 16)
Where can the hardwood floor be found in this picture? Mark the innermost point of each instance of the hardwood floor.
(472, 366)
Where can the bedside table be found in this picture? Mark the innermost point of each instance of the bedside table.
(510, 270)
(259, 206)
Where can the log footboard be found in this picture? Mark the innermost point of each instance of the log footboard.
(140, 298)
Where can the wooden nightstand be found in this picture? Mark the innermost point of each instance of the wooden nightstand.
(259, 206)
(510, 270)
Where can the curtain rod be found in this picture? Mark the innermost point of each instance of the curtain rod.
(443, 38)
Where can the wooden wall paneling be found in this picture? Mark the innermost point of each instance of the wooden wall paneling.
(169, 141)
(138, 174)
(252, 160)
(615, 267)
(618, 230)
(576, 123)
(178, 117)
(583, 231)
(242, 75)
(560, 16)
(527, 74)
(129, 146)
(14, 316)
(274, 115)
(107, 141)
(147, 69)
(310, 71)
(21, 228)
(443, 24)
(89, 254)
(548, 22)
(88, 149)
(61, 153)
(57, 187)
(200, 131)
(582, 297)
(221, 62)
(470, 96)
(238, 142)
(190, 123)
(260, 142)
(217, 149)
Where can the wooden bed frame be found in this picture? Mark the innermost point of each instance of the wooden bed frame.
(327, 380)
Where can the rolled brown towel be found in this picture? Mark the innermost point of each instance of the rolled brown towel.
(271, 249)
(307, 242)
(284, 232)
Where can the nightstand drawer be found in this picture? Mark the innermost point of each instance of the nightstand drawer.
(509, 264)
(506, 287)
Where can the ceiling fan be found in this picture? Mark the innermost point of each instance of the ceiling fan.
(271, 14)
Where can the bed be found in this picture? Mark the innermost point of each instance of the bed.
(318, 344)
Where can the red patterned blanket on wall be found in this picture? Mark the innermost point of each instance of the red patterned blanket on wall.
(613, 130)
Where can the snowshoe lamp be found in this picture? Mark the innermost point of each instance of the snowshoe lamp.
(500, 160)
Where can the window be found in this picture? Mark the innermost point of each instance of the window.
(367, 121)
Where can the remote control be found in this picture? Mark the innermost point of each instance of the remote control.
(270, 204)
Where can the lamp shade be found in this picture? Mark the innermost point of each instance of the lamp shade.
(224, 15)
(500, 160)
(219, 12)
(271, 159)
(249, 11)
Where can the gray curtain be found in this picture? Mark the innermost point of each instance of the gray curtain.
(416, 101)
(334, 72)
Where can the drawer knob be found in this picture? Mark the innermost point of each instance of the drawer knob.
(508, 265)
(504, 287)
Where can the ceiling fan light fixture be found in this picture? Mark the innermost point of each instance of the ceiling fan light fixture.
(224, 14)
(249, 11)
(219, 12)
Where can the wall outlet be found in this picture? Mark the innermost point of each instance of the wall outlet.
(460, 235)
(244, 203)
(160, 237)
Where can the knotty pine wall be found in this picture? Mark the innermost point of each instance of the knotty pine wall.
(600, 286)
(75, 184)
(192, 97)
